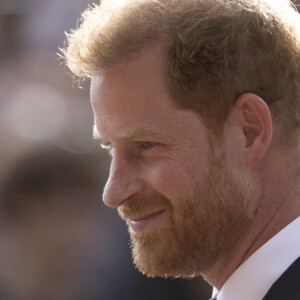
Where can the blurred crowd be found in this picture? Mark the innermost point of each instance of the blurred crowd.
(57, 239)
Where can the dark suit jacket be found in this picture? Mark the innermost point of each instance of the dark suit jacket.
(287, 286)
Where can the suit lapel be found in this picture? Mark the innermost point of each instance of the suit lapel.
(287, 286)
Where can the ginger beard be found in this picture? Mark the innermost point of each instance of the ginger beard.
(197, 229)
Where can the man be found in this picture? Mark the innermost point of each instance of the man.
(198, 104)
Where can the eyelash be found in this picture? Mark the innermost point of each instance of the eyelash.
(108, 148)
(144, 145)
(105, 146)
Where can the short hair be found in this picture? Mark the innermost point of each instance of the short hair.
(215, 50)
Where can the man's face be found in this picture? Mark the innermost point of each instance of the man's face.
(170, 180)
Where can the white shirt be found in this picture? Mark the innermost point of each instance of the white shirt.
(252, 279)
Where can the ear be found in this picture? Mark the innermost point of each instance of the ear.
(252, 121)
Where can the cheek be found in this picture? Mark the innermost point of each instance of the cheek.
(172, 179)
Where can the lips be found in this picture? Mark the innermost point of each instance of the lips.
(145, 222)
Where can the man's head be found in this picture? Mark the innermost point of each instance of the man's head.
(169, 178)
(215, 50)
(182, 93)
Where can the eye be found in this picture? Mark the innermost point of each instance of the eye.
(148, 145)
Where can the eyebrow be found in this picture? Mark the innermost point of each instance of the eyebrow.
(130, 133)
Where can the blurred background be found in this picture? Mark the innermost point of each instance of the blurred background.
(57, 239)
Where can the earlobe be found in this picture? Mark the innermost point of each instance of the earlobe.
(256, 124)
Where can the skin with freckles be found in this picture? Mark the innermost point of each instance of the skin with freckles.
(170, 180)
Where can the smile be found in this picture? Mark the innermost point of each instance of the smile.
(145, 222)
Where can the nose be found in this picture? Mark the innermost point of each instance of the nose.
(123, 182)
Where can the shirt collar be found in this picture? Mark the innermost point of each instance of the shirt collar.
(252, 279)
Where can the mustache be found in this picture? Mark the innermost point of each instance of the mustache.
(138, 205)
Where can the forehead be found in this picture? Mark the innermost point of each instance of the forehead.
(132, 94)
(132, 100)
(138, 77)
